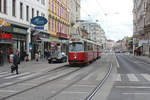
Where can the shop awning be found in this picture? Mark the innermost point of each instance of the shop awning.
(45, 40)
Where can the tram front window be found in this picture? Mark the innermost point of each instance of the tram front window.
(76, 47)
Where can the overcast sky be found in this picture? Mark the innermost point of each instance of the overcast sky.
(115, 16)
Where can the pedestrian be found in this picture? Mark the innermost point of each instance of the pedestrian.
(37, 56)
(16, 61)
(1, 58)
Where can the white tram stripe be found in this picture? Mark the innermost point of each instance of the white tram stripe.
(146, 76)
(18, 75)
(118, 78)
(132, 77)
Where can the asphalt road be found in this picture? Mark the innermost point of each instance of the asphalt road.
(75, 86)
(132, 79)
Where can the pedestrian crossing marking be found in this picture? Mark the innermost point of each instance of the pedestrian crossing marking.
(71, 76)
(132, 77)
(146, 76)
(100, 76)
(5, 75)
(118, 78)
(29, 76)
(88, 77)
(18, 75)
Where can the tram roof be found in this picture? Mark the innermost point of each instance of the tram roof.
(83, 40)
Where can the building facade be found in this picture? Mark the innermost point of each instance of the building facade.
(18, 14)
(95, 32)
(141, 21)
(58, 22)
(75, 17)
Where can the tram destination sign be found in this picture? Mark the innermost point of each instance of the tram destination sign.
(38, 21)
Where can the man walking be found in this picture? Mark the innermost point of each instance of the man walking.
(16, 61)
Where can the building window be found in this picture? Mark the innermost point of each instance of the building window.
(42, 14)
(21, 10)
(0, 5)
(32, 12)
(5, 6)
(37, 13)
(43, 2)
(27, 13)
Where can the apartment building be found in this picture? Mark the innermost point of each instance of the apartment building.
(18, 14)
(75, 17)
(141, 25)
(58, 22)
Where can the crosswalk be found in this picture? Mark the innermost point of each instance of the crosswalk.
(97, 76)
(133, 77)
(24, 75)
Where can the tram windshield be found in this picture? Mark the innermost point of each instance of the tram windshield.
(75, 47)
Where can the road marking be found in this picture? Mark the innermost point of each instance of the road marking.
(118, 66)
(134, 87)
(136, 93)
(71, 77)
(87, 77)
(118, 78)
(7, 91)
(146, 76)
(14, 76)
(71, 92)
(132, 77)
(100, 76)
(28, 76)
(5, 75)
(4, 84)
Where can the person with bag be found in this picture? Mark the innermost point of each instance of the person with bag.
(16, 61)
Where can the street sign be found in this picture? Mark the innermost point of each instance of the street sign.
(39, 20)
(39, 27)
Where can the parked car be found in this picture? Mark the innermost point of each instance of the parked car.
(58, 57)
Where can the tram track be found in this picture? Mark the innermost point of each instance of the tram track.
(98, 87)
(48, 81)
(38, 85)
(76, 81)
(47, 72)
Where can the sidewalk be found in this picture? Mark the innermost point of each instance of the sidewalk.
(33, 66)
(145, 59)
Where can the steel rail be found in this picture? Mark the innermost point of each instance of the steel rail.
(95, 90)
(43, 83)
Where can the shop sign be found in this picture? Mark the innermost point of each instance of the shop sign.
(4, 35)
(39, 27)
(4, 23)
(39, 20)
(19, 30)
(61, 35)
(54, 39)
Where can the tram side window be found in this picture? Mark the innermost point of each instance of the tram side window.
(85, 46)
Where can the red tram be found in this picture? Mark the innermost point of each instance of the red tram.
(82, 51)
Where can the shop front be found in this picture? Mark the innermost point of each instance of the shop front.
(63, 41)
(16, 40)
(5, 47)
(41, 43)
